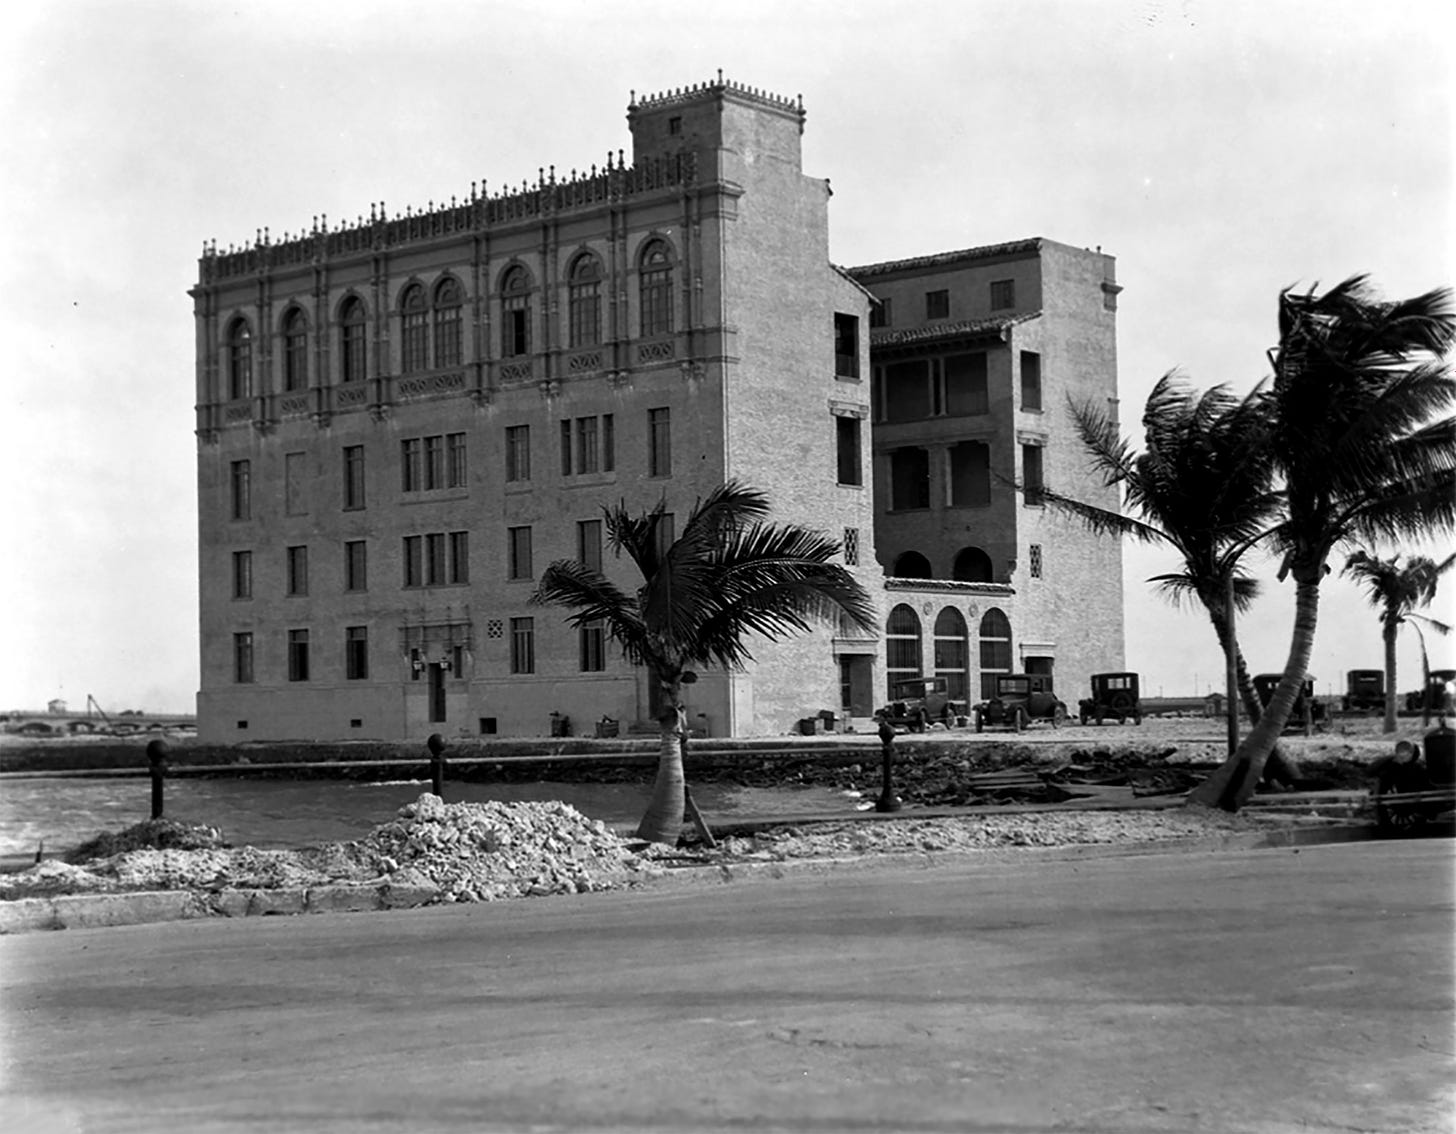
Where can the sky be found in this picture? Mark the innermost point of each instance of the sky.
(1221, 151)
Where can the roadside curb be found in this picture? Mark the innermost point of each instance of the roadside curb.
(96, 911)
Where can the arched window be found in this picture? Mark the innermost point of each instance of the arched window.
(902, 646)
(952, 651)
(995, 649)
(353, 324)
(911, 565)
(414, 342)
(449, 299)
(295, 351)
(584, 301)
(972, 565)
(655, 292)
(240, 360)
(516, 313)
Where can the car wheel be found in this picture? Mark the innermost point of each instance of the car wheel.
(1059, 717)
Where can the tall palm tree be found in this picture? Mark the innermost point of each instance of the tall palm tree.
(1397, 590)
(728, 575)
(1201, 487)
(1416, 622)
(1358, 437)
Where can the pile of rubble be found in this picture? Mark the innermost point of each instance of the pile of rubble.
(462, 851)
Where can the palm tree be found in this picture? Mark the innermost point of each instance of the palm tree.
(1397, 590)
(1201, 487)
(1357, 436)
(729, 574)
(1416, 622)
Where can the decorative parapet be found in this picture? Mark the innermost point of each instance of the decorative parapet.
(662, 351)
(347, 397)
(430, 385)
(684, 96)
(480, 211)
(949, 586)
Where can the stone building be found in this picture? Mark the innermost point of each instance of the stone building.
(402, 420)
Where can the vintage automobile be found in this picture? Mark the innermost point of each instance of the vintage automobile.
(1417, 700)
(1308, 713)
(1413, 789)
(1113, 695)
(1364, 691)
(917, 702)
(1021, 698)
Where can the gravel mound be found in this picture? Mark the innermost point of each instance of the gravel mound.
(465, 851)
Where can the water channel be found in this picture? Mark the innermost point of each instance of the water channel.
(65, 811)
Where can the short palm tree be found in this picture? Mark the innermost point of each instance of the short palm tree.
(1200, 487)
(1361, 436)
(1398, 590)
(729, 574)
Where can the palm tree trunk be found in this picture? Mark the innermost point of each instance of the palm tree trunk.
(1389, 636)
(1231, 786)
(663, 820)
(1279, 766)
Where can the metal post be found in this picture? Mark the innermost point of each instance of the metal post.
(887, 800)
(1231, 668)
(436, 745)
(157, 763)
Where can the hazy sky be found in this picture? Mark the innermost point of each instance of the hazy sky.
(1220, 150)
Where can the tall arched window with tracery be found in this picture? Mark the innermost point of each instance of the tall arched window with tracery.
(449, 298)
(902, 646)
(415, 330)
(952, 652)
(995, 649)
(655, 290)
(584, 301)
(516, 313)
(353, 329)
(295, 351)
(240, 359)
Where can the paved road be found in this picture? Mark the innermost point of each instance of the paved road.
(1267, 991)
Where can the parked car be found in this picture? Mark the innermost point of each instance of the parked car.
(1364, 691)
(1415, 701)
(1113, 695)
(1412, 788)
(1021, 698)
(915, 702)
(1308, 713)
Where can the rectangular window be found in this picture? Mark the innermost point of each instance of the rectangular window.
(411, 463)
(909, 479)
(1031, 473)
(515, 332)
(1030, 380)
(882, 314)
(970, 474)
(243, 658)
(846, 346)
(435, 559)
(609, 444)
(434, 463)
(965, 384)
(566, 446)
(523, 645)
(851, 547)
(589, 544)
(907, 391)
(459, 557)
(242, 574)
(241, 490)
(937, 304)
(593, 647)
(298, 655)
(588, 459)
(1003, 295)
(414, 561)
(356, 566)
(518, 452)
(847, 445)
(297, 570)
(295, 484)
(455, 463)
(659, 442)
(1035, 560)
(356, 653)
(353, 477)
(519, 551)
(656, 302)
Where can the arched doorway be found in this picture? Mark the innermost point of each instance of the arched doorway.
(995, 649)
(902, 646)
